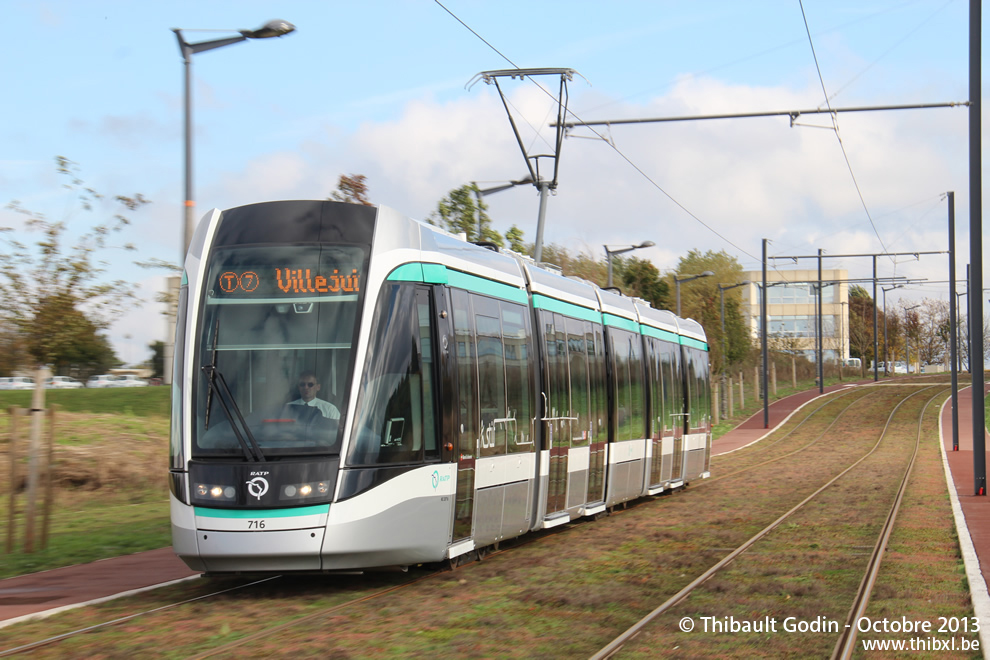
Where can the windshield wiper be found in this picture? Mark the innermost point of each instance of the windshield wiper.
(252, 451)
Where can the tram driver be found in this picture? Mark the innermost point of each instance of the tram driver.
(309, 386)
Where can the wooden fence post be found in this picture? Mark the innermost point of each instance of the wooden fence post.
(49, 478)
(12, 504)
(34, 456)
(742, 392)
(716, 399)
(731, 402)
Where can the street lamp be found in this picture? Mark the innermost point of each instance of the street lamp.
(722, 288)
(886, 371)
(273, 28)
(609, 253)
(687, 278)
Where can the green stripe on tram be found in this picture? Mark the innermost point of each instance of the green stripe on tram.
(263, 513)
(614, 321)
(694, 343)
(566, 308)
(665, 335)
(440, 274)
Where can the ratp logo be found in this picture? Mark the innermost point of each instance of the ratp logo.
(257, 487)
(439, 478)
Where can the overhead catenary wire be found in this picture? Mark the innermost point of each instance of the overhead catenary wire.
(618, 151)
(835, 124)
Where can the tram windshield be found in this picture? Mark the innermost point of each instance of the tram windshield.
(275, 348)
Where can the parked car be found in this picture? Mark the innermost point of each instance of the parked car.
(103, 380)
(18, 383)
(62, 383)
(129, 380)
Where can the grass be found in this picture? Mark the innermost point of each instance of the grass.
(87, 528)
(573, 589)
(135, 401)
(109, 479)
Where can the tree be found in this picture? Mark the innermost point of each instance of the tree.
(933, 332)
(157, 359)
(641, 278)
(12, 352)
(55, 291)
(861, 307)
(700, 301)
(515, 238)
(458, 213)
(353, 188)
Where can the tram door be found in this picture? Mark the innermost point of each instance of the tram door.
(598, 415)
(676, 419)
(466, 414)
(558, 430)
(667, 411)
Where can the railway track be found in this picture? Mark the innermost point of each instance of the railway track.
(845, 645)
(346, 603)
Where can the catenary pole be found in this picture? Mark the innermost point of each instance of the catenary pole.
(953, 348)
(976, 249)
(763, 340)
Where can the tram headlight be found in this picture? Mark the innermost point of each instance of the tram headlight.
(304, 491)
(214, 492)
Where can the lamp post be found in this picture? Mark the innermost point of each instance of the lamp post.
(609, 253)
(722, 288)
(886, 372)
(687, 278)
(274, 28)
(907, 337)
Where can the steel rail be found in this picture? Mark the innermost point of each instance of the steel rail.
(791, 432)
(616, 644)
(846, 643)
(57, 638)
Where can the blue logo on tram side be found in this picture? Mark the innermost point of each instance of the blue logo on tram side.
(439, 478)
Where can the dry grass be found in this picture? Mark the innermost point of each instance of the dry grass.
(574, 589)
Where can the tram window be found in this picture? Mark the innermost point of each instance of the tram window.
(628, 385)
(578, 362)
(467, 375)
(596, 351)
(176, 453)
(394, 421)
(258, 332)
(518, 376)
(699, 402)
(491, 385)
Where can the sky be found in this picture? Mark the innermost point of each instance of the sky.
(381, 88)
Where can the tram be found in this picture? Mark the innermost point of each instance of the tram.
(356, 389)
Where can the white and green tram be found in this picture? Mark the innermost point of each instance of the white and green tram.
(463, 396)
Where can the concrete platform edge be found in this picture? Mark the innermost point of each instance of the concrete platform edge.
(977, 585)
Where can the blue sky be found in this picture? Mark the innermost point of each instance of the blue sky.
(378, 88)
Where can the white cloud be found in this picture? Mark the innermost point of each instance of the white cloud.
(748, 179)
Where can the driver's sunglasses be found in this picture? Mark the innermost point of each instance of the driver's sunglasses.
(311, 384)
